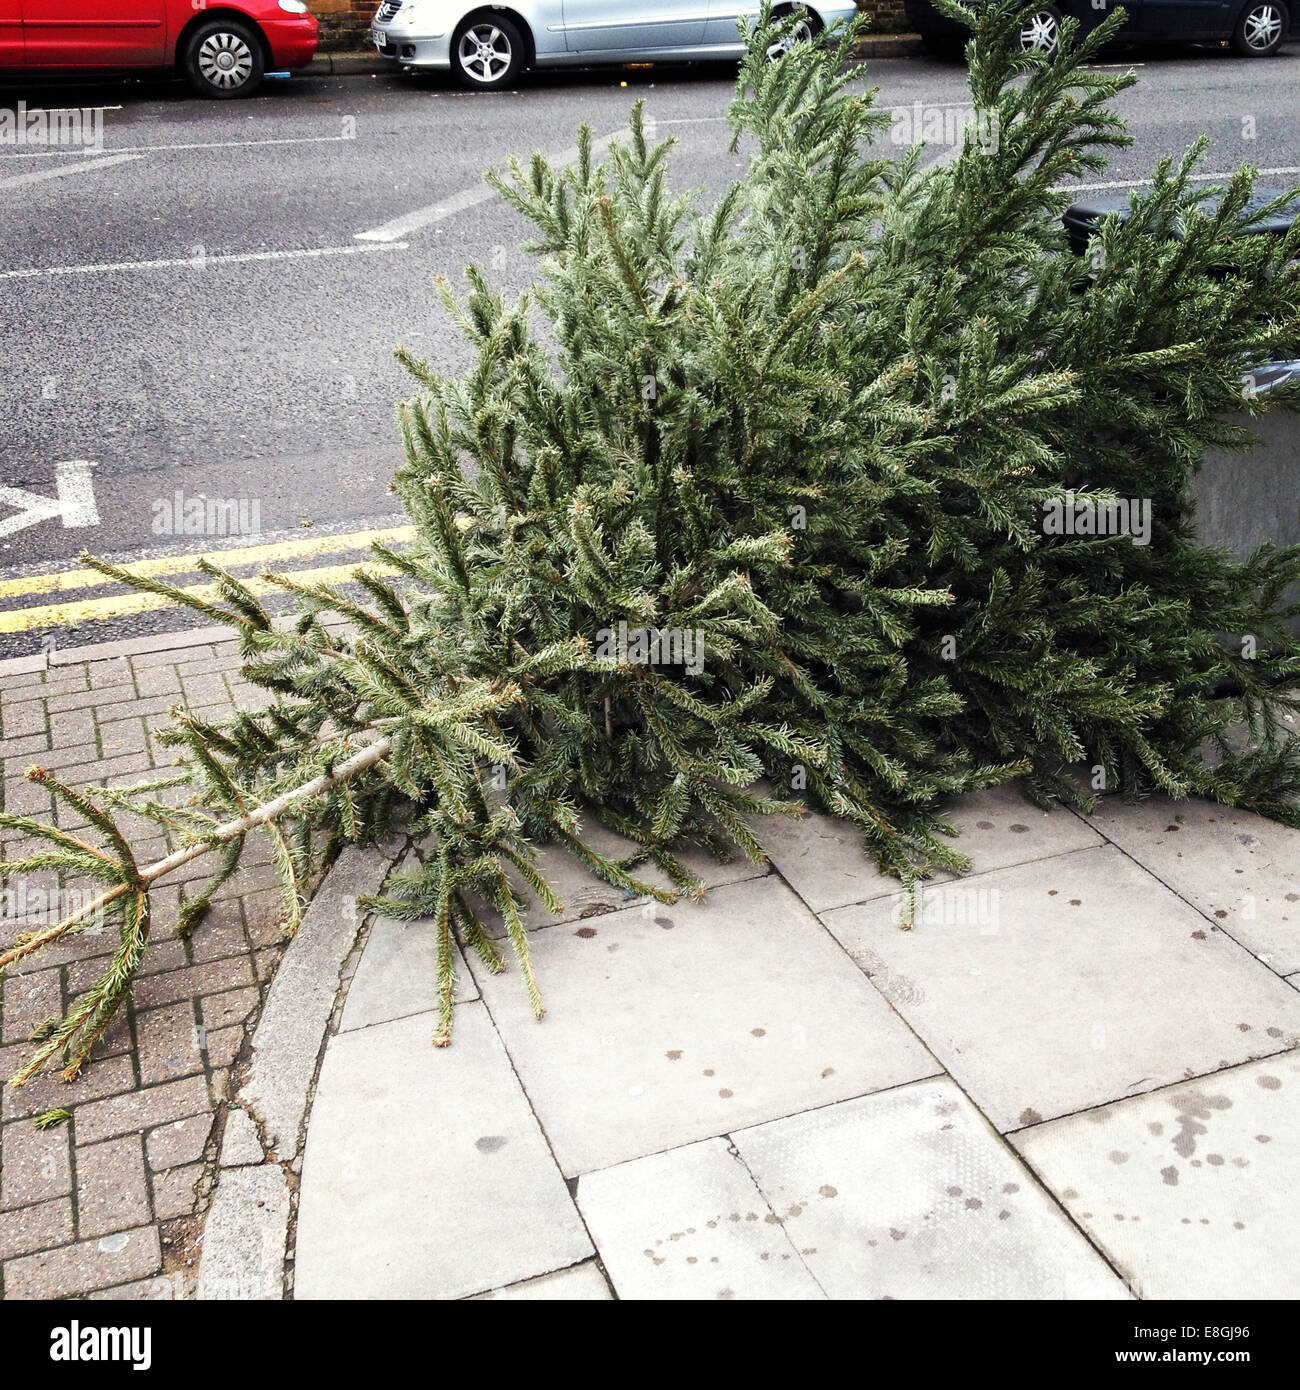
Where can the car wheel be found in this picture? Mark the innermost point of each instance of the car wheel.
(805, 31)
(1262, 27)
(1041, 31)
(487, 53)
(223, 59)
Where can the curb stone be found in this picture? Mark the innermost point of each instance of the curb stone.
(107, 651)
(357, 64)
(246, 1237)
(890, 46)
(137, 646)
(363, 64)
(286, 1045)
(240, 1145)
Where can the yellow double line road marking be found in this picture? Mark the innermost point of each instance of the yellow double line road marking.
(135, 601)
(85, 578)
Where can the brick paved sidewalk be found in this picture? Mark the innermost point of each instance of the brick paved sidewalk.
(111, 1203)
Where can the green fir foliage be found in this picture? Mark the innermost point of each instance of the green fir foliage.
(804, 436)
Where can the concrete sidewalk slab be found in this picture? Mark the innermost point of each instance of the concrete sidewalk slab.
(679, 1023)
(1239, 869)
(425, 1173)
(398, 975)
(1091, 982)
(691, 1224)
(582, 1283)
(584, 895)
(910, 1194)
(1190, 1190)
(823, 860)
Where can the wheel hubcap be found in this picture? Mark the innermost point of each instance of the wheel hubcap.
(1040, 34)
(484, 52)
(225, 60)
(1263, 25)
(801, 33)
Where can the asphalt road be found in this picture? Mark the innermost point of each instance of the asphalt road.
(196, 308)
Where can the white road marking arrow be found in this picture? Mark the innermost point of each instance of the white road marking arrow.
(75, 502)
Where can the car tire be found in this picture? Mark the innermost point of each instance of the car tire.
(223, 59)
(1262, 27)
(804, 32)
(1041, 31)
(487, 52)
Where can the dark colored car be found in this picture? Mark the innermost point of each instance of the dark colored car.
(1255, 28)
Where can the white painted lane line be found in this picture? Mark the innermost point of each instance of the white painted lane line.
(1194, 178)
(931, 106)
(198, 145)
(470, 197)
(200, 262)
(86, 167)
(426, 216)
(61, 110)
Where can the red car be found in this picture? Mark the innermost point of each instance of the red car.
(223, 47)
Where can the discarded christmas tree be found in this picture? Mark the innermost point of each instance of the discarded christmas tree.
(745, 508)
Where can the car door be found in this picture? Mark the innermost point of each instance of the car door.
(11, 34)
(94, 33)
(633, 26)
(1184, 19)
(723, 14)
(1090, 14)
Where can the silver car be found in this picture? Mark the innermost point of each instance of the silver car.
(486, 46)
